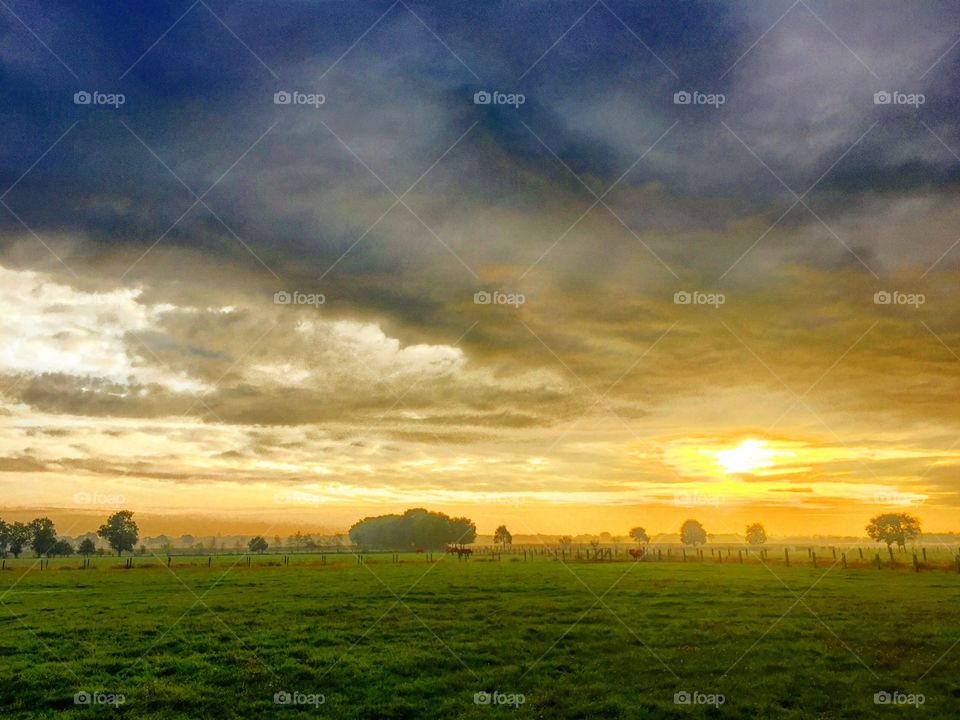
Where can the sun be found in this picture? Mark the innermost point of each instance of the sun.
(747, 457)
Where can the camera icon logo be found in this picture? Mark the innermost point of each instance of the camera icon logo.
(882, 297)
(482, 698)
(282, 97)
(482, 297)
(682, 297)
(82, 98)
(682, 98)
(282, 297)
(82, 698)
(282, 698)
(882, 97)
(882, 698)
(682, 698)
(482, 97)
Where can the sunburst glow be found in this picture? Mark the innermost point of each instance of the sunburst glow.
(747, 457)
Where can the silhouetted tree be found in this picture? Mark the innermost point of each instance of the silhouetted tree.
(755, 534)
(257, 544)
(86, 547)
(893, 528)
(502, 536)
(639, 535)
(692, 533)
(120, 531)
(43, 535)
(18, 536)
(60, 548)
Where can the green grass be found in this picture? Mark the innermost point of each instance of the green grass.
(193, 642)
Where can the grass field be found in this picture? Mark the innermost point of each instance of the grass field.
(416, 639)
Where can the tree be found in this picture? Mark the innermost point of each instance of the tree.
(502, 536)
(296, 541)
(120, 531)
(692, 533)
(43, 535)
(60, 548)
(18, 535)
(755, 534)
(640, 535)
(257, 544)
(4, 538)
(86, 547)
(565, 540)
(415, 529)
(893, 528)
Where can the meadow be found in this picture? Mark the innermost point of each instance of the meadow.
(407, 637)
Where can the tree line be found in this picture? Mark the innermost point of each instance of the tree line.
(889, 528)
(40, 535)
(416, 529)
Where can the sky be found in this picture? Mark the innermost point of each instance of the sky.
(571, 266)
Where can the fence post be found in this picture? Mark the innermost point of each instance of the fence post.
(877, 561)
(813, 556)
(684, 551)
(209, 562)
(916, 563)
(834, 551)
(786, 556)
(924, 554)
(861, 553)
(740, 556)
(844, 556)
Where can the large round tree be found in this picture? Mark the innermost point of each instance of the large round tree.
(120, 531)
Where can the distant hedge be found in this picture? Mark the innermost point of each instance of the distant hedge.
(415, 529)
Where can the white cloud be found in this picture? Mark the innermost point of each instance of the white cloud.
(52, 328)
